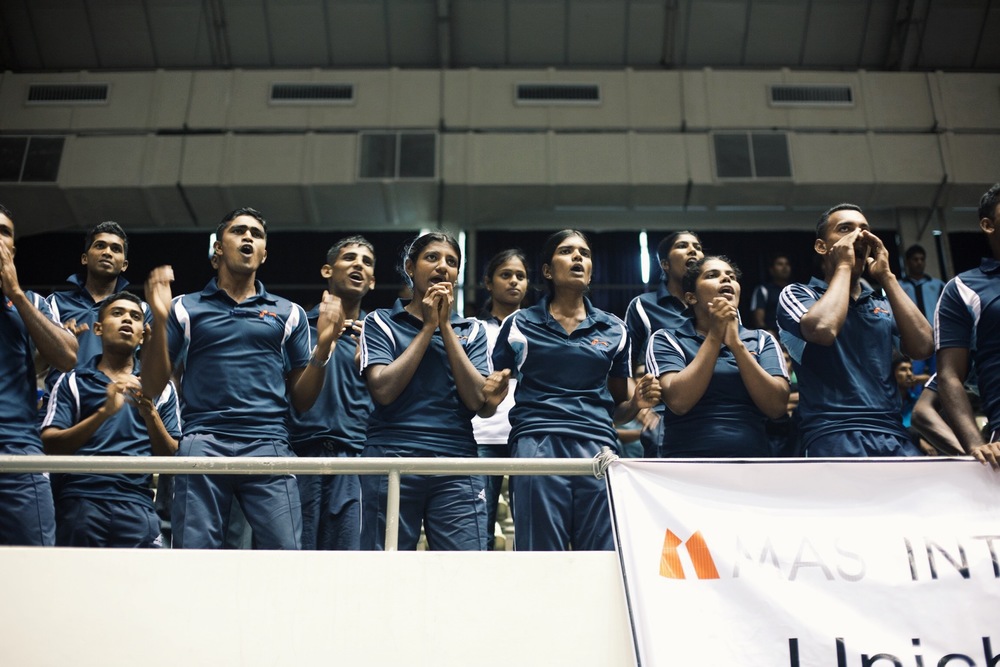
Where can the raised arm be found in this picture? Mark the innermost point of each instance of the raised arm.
(387, 381)
(156, 366)
(56, 346)
(768, 392)
(916, 338)
(468, 380)
(306, 383)
(823, 321)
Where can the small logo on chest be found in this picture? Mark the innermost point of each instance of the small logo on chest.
(267, 313)
(598, 341)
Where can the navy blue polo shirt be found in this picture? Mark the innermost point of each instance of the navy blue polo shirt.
(968, 316)
(562, 379)
(18, 396)
(847, 386)
(428, 415)
(924, 292)
(78, 304)
(341, 410)
(651, 312)
(725, 423)
(79, 394)
(236, 357)
(765, 297)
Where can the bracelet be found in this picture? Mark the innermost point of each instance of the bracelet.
(316, 363)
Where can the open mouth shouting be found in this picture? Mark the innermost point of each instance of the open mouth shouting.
(727, 291)
(247, 249)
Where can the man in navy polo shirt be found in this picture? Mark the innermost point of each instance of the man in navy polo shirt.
(841, 337)
(245, 354)
(335, 424)
(104, 259)
(967, 333)
(98, 409)
(26, 326)
(662, 309)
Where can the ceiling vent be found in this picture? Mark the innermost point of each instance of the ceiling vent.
(68, 93)
(312, 93)
(752, 155)
(558, 93)
(811, 96)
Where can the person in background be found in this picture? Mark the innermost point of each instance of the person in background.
(719, 380)
(662, 309)
(506, 281)
(841, 338)
(98, 409)
(925, 291)
(571, 361)
(764, 300)
(335, 424)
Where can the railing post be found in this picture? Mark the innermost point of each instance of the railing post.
(392, 512)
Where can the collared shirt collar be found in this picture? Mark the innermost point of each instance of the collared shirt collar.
(822, 286)
(212, 289)
(989, 265)
(79, 280)
(541, 315)
(399, 311)
(663, 294)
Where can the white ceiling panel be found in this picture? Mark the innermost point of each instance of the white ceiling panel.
(357, 30)
(596, 33)
(249, 38)
(180, 33)
(298, 33)
(775, 32)
(478, 33)
(715, 32)
(537, 33)
(121, 34)
(953, 34)
(646, 28)
(63, 33)
(834, 33)
(413, 33)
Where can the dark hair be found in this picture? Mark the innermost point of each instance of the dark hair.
(663, 250)
(915, 249)
(987, 205)
(549, 250)
(6, 211)
(694, 271)
(123, 295)
(898, 358)
(232, 215)
(106, 227)
(414, 247)
(495, 263)
(776, 256)
(334, 252)
(825, 218)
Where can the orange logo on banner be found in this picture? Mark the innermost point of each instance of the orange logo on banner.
(701, 557)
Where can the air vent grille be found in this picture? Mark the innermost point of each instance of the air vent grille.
(68, 93)
(312, 93)
(814, 95)
(558, 93)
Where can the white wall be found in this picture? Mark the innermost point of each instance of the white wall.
(106, 608)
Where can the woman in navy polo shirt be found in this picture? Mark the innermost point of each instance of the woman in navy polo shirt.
(572, 365)
(506, 281)
(424, 367)
(718, 379)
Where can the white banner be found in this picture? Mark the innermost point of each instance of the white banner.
(810, 563)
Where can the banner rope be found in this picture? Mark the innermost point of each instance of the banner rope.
(603, 460)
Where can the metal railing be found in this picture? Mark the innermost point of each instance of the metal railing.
(390, 466)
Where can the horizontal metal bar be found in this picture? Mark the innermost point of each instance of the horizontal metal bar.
(181, 465)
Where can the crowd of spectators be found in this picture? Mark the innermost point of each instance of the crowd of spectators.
(858, 362)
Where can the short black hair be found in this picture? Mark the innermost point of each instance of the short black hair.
(232, 215)
(694, 271)
(915, 249)
(334, 252)
(987, 205)
(120, 296)
(106, 227)
(825, 218)
(6, 211)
